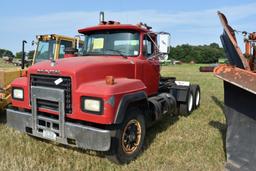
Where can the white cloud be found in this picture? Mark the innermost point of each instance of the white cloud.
(193, 24)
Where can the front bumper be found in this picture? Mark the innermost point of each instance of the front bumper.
(85, 137)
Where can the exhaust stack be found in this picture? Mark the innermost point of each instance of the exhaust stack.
(23, 54)
(101, 17)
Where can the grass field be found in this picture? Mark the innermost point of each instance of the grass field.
(3, 64)
(182, 143)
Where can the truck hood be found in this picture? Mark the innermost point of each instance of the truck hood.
(86, 69)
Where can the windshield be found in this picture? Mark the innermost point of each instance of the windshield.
(111, 42)
(45, 50)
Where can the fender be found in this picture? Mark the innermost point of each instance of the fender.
(125, 101)
(180, 92)
(22, 83)
(112, 96)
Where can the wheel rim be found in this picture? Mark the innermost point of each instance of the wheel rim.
(197, 98)
(131, 136)
(190, 102)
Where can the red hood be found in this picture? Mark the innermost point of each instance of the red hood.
(87, 68)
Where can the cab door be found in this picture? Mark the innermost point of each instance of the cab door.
(151, 66)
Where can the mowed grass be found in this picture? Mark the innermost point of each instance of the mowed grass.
(180, 143)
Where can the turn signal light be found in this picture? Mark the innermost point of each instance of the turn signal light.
(110, 80)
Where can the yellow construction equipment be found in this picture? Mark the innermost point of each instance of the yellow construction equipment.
(51, 46)
(7, 75)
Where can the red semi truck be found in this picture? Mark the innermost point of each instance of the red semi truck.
(104, 98)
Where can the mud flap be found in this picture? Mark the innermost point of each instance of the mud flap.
(240, 112)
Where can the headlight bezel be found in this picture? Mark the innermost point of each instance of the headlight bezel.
(83, 107)
(18, 88)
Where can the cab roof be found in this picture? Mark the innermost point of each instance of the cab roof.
(118, 26)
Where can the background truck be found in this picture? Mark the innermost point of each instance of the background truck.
(47, 46)
(105, 98)
(239, 98)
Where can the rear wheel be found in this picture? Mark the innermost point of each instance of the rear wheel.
(129, 139)
(187, 107)
(196, 95)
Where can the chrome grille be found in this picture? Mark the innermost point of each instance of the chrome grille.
(49, 81)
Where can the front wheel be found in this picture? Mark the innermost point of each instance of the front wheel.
(129, 139)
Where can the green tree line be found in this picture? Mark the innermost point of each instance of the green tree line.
(185, 53)
(4, 52)
(18, 55)
(198, 54)
(29, 54)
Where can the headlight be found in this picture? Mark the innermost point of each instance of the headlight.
(17, 94)
(92, 105)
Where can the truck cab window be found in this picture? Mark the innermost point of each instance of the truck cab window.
(80, 48)
(112, 43)
(63, 45)
(45, 50)
(148, 47)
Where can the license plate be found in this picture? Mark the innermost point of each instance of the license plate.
(49, 135)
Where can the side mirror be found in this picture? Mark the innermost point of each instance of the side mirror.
(34, 42)
(164, 41)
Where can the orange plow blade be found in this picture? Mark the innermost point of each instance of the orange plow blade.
(238, 77)
(239, 102)
(240, 113)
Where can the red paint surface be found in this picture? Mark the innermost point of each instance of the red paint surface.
(88, 74)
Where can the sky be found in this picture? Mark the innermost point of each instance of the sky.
(192, 22)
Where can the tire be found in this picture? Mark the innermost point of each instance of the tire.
(121, 152)
(196, 94)
(187, 107)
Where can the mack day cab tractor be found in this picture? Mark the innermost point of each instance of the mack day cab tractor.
(49, 45)
(104, 99)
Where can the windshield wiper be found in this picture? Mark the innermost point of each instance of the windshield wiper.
(118, 51)
(91, 53)
(100, 53)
